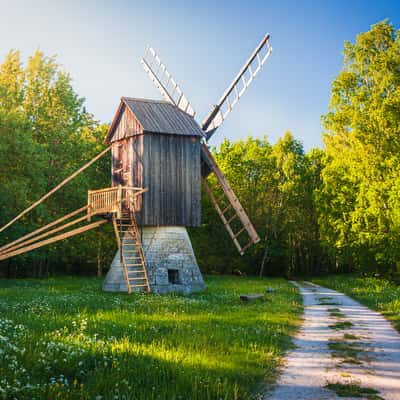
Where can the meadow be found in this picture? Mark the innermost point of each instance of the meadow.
(376, 293)
(63, 338)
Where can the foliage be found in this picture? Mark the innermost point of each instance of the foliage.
(359, 203)
(376, 293)
(77, 342)
(275, 184)
(46, 134)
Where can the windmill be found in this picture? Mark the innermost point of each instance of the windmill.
(147, 135)
(159, 158)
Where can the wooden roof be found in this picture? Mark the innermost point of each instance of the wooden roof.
(157, 116)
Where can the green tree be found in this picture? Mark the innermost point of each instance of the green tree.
(359, 200)
(46, 134)
(275, 184)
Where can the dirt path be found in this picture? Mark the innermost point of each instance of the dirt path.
(344, 344)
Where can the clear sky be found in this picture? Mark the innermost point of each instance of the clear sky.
(203, 44)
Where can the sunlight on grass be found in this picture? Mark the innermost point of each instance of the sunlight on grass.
(66, 339)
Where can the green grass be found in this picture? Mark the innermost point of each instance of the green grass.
(353, 390)
(66, 339)
(327, 301)
(350, 336)
(335, 312)
(349, 352)
(341, 325)
(378, 294)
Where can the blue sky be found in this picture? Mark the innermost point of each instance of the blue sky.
(203, 44)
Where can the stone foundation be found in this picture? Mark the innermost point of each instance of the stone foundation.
(170, 263)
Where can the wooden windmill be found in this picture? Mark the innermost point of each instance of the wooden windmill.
(158, 145)
(159, 160)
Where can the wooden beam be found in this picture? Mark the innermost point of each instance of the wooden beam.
(73, 213)
(53, 239)
(43, 235)
(58, 187)
(222, 216)
(233, 200)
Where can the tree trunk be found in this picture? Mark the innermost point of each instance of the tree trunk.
(264, 259)
(40, 271)
(99, 263)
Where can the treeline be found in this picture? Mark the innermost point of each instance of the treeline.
(336, 209)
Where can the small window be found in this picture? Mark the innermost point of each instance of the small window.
(173, 276)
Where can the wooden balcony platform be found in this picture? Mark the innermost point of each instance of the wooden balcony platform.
(112, 200)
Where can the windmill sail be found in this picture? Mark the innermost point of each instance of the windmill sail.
(237, 88)
(228, 207)
(164, 81)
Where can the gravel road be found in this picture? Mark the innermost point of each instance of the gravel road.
(340, 342)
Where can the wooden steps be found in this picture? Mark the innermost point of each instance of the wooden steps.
(131, 252)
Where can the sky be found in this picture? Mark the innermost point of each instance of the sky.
(203, 44)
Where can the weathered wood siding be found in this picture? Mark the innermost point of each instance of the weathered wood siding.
(121, 163)
(167, 165)
(171, 172)
(126, 125)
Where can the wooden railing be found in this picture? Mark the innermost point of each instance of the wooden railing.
(112, 200)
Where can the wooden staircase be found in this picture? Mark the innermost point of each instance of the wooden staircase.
(131, 251)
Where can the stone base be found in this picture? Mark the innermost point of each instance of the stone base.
(170, 263)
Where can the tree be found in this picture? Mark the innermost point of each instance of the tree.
(275, 184)
(359, 201)
(46, 134)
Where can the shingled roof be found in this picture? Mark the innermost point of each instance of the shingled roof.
(158, 116)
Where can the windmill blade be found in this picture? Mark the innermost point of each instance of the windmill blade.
(164, 81)
(237, 88)
(232, 214)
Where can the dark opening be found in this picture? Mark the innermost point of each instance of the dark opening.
(173, 276)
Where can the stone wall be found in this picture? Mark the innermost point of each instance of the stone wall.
(170, 262)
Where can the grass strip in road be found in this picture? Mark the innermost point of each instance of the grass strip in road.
(353, 390)
(335, 312)
(341, 325)
(375, 293)
(349, 352)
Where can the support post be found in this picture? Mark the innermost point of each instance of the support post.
(89, 205)
(119, 200)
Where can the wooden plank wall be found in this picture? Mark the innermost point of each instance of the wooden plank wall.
(168, 165)
(171, 172)
(126, 126)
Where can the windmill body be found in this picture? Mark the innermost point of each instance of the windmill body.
(157, 146)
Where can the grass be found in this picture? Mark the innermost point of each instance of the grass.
(66, 339)
(378, 294)
(335, 312)
(353, 390)
(327, 301)
(350, 336)
(349, 352)
(341, 325)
